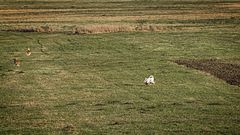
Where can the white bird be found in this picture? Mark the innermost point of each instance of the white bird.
(149, 80)
(28, 52)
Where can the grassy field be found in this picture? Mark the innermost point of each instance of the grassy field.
(94, 16)
(90, 57)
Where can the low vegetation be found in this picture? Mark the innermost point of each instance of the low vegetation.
(89, 59)
(81, 16)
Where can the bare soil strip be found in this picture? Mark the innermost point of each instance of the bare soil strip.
(225, 71)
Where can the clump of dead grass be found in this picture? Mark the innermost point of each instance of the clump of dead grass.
(89, 29)
(103, 28)
(40, 29)
(47, 29)
(106, 28)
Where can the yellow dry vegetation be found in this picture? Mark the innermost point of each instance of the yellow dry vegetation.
(102, 20)
(230, 5)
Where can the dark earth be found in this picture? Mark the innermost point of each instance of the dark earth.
(226, 71)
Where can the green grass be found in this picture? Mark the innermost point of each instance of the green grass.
(93, 83)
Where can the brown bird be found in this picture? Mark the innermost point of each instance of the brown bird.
(28, 52)
(16, 62)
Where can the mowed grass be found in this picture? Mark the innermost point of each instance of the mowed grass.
(93, 83)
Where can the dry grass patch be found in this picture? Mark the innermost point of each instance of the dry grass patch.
(230, 5)
(86, 18)
(106, 28)
(103, 29)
